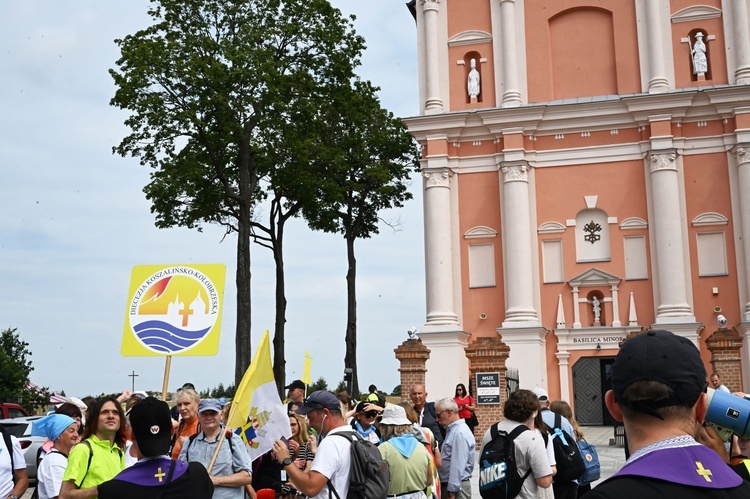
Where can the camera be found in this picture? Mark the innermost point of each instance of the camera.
(728, 414)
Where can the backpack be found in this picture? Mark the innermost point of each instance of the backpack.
(591, 460)
(498, 472)
(570, 465)
(369, 475)
(9, 448)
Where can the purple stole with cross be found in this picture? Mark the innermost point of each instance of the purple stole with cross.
(694, 465)
(152, 472)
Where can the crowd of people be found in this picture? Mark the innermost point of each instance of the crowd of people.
(134, 446)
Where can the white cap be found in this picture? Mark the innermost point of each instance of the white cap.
(541, 394)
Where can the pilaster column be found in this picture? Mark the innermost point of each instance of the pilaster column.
(742, 153)
(511, 95)
(438, 253)
(576, 309)
(741, 41)
(615, 307)
(668, 235)
(657, 82)
(519, 296)
(433, 103)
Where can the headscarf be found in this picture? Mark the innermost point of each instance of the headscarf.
(51, 426)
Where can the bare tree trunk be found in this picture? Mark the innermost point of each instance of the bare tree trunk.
(279, 360)
(350, 358)
(248, 181)
(243, 345)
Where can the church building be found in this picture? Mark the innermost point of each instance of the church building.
(586, 176)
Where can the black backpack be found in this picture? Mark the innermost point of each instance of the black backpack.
(570, 465)
(369, 475)
(498, 472)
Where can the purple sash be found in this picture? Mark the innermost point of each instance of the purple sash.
(152, 473)
(695, 465)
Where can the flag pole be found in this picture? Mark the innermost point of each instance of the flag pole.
(167, 367)
(223, 435)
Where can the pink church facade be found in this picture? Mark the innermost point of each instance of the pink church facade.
(594, 183)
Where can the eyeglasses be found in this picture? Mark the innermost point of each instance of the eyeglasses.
(370, 414)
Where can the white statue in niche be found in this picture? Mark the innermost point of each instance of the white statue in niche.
(597, 309)
(473, 80)
(700, 61)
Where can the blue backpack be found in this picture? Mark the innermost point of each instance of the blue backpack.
(591, 460)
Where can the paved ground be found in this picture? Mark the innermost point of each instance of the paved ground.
(611, 457)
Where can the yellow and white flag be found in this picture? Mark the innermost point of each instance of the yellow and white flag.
(307, 370)
(258, 415)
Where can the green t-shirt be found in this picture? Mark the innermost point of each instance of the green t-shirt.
(106, 462)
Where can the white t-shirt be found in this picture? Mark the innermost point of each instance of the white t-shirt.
(530, 453)
(333, 460)
(130, 460)
(19, 463)
(50, 473)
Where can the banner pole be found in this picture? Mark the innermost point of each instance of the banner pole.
(167, 367)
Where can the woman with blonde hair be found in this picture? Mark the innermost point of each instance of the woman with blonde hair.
(187, 405)
(563, 408)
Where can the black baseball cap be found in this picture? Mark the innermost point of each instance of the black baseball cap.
(319, 400)
(659, 355)
(295, 384)
(152, 426)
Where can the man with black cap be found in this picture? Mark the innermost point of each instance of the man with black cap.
(658, 391)
(155, 474)
(295, 394)
(332, 460)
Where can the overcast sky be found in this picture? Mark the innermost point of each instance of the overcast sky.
(74, 220)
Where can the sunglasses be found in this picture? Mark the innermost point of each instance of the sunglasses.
(371, 414)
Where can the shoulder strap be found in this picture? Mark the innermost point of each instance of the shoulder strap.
(169, 478)
(494, 431)
(175, 436)
(517, 431)
(9, 446)
(347, 435)
(91, 454)
(228, 438)
(558, 421)
(190, 442)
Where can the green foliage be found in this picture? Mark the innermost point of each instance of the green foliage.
(320, 384)
(219, 391)
(369, 156)
(227, 99)
(396, 391)
(15, 372)
(341, 386)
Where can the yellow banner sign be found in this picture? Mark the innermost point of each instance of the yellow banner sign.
(174, 310)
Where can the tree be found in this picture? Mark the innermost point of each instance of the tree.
(321, 384)
(370, 156)
(15, 372)
(396, 391)
(213, 87)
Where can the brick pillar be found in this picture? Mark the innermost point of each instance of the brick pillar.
(412, 355)
(726, 358)
(487, 354)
